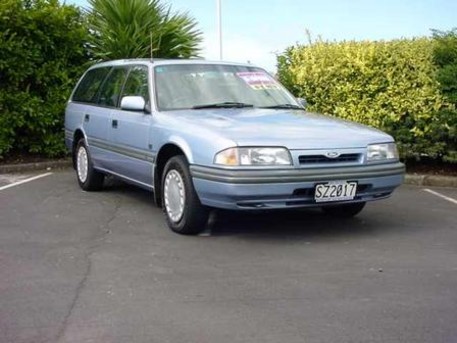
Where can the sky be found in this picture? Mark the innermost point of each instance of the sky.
(256, 30)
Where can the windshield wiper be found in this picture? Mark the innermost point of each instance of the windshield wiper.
(284, 106)
(226, 104)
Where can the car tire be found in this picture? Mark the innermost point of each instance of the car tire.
(344, 210)
(89, 179)
(180, 203)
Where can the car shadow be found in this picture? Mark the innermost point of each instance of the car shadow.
(296, 224)
(302, 224)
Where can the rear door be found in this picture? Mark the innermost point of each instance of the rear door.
(84, 108)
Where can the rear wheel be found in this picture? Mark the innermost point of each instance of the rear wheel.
(180, 204)
(89, 179)
(344, 210)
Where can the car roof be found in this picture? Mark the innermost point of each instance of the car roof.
(160, 61)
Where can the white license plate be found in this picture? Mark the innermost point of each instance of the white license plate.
(335, 191)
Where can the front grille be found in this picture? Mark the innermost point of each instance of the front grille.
(322, 159)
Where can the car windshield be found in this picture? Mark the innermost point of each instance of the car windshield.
(198, 86)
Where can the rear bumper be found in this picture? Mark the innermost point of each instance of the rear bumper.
(288, 188)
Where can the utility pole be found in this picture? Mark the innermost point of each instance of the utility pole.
(219, 26)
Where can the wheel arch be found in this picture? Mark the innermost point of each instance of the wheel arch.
(79, 133)
(166, 152)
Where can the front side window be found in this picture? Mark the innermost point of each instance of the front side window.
(186, 86)
(137, 83)
(112, 87)
(88, 87)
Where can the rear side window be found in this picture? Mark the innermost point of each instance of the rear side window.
(88, 87)
(111, 89)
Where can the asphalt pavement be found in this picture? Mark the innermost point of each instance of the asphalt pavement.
(104, 267)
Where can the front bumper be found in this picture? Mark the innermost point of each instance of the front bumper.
(288, 188)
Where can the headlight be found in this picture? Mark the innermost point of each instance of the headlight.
(257, 156)
(382, 152)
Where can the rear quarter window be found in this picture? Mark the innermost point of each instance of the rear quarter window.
(88, 87)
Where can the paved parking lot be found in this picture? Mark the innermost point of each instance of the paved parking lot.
(103, 267)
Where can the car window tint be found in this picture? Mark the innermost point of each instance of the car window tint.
(111, 89)
(137, 83)
(89, 85)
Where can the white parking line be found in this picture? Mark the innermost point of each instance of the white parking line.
(24, 181)
(441, 196)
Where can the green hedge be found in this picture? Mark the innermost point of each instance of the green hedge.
(391, 85)
(42, 54)
(445, 58)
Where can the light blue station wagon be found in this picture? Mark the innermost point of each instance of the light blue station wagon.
(204, 135)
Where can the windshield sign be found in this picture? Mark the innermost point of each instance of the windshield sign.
(258, 80)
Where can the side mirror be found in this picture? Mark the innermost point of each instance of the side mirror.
(133, 103)
(302, 102)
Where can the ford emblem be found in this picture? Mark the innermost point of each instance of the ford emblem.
(332, 154)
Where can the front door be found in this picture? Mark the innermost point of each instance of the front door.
(130, 131)
(97, 120)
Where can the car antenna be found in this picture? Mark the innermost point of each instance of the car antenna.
(150, 42)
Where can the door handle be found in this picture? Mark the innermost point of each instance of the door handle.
(114, 123)
(86, 118)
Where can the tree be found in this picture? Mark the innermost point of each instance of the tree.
(126, 29)
(42, 54)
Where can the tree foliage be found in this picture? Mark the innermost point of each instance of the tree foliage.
(393, 85)
(126, 29)
(445, 58)
(42, 54)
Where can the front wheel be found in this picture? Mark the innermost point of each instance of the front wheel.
(344, 210)
(182, 208)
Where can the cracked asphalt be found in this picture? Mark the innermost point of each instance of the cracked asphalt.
(103, 267)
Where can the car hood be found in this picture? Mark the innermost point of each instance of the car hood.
(294, 129)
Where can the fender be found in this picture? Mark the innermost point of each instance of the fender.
(183, 145)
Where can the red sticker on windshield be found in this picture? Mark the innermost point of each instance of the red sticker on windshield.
(258, 80)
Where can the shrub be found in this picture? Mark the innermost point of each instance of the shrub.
(42, 54)
(445, 58)
(391, 85)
